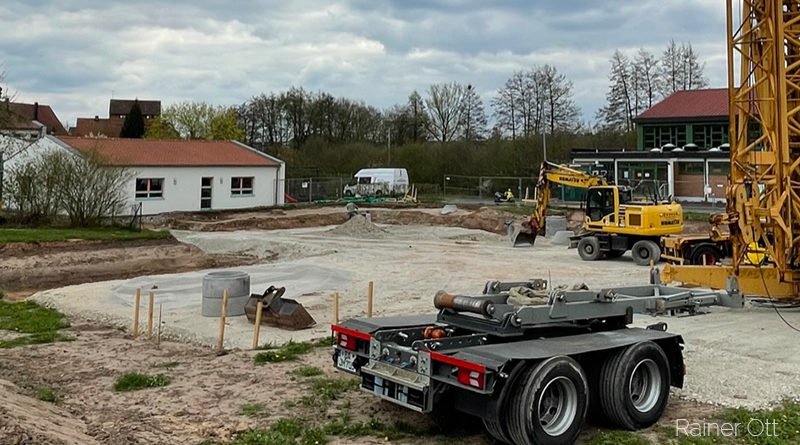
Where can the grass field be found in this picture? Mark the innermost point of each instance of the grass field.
(43, 235)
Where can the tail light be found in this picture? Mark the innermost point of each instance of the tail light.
(347, 338)
(470, 378)
(468, 373)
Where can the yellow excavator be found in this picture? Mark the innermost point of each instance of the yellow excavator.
(614, 222)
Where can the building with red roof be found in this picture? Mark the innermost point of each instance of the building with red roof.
(681, 151)
(180, 175)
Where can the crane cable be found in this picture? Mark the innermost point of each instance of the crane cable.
(769, 297)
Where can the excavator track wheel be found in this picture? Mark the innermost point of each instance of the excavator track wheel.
(589, 248)
(644, 251)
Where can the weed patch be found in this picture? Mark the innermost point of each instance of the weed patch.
(133, 381)
(46, 395)
(251, 409)
(616, 438)
(289, 351)
(330, 389)
(27, 317)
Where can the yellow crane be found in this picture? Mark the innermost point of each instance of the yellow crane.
(614, 222)
(763, 196)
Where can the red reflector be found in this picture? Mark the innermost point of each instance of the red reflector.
(350, 332)
(470, 378)
(346, 341)
(458, 362)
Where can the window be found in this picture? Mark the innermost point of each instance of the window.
(657, 136)
(365, 180)
(690, 168)
(719, 168)
(712, 135)
(242, 186)
(149, 188)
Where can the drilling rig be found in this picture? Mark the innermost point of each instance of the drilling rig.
(763, 195)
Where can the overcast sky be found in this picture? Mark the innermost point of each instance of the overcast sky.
(74, 54)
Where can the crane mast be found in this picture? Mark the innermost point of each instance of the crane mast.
(763, 196)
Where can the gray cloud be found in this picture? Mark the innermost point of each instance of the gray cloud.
(73, 56)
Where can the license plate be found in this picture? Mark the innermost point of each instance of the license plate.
(345, 361)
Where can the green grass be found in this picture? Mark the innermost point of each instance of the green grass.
(251, 409)
(133, 381)
(307, 371)
(27, 317)
(333, 388)
(43, 235)
(696, 216)
(616, 438)
(166, 365)
(289, 351)
(786, 429)
(46, 394)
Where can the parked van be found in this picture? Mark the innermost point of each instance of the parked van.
(378, 182)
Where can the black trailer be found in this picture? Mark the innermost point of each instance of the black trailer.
(529, 361)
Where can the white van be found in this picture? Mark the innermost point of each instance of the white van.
(378, 182)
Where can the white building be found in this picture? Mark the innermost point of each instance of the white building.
(181, 175)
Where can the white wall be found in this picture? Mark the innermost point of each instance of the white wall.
(182, 188)
(181, 184)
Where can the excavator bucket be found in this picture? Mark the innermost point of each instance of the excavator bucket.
(520, 234)
(284, 313)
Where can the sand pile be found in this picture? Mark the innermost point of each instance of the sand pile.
(359, 227)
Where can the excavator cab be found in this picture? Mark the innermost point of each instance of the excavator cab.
(601, 203)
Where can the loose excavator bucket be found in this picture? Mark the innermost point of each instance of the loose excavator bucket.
(520, 234)
(284, 313)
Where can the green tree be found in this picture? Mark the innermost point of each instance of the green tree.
(161, 129)
(196, 120)
(133, 127)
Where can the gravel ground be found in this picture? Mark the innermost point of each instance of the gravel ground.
(733, 357)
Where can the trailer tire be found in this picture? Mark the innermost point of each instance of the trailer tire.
(589, 248)
(550, 404)
(710, 251)
(496, 430)
(644, 251)
(634, 386)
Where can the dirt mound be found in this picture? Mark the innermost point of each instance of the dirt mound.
(24, 420)
(485, 218)
(359, 227)
(27, 268)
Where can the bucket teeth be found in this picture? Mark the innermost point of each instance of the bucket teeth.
(284, 313)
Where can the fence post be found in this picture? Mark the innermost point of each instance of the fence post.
(310, 188)
(519, 190)
(480, 187)
(444, 186)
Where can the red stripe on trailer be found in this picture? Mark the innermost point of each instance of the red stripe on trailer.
(356, 334)
(457, 362)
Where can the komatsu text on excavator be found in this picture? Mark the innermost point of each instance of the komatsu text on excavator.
(614, 222)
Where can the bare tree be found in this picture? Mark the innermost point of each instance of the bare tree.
(445, 110)
(617, 114)
(680, 69)
(561, 112)
(645, 67)
(693, 77)
(474, 118)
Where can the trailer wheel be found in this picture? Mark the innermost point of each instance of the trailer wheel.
(589, 248)
(496, 430)
(634, 386)
(549, 407)
(644, 251)
(711, 253)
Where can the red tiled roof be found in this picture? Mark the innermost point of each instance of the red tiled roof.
(85, 126)
(169, 153)
(123, 106)
(689, 104)
(25, 114)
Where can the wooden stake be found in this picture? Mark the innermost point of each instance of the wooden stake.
(257, 330)
(136, 301)
(369, 299)
(336, 308)
(222, 314)
(150, 316)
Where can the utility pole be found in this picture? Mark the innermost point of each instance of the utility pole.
(544, 146)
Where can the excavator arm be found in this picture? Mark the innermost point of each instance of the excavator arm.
(549, 173)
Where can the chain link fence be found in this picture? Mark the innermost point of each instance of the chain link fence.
(316, 189)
